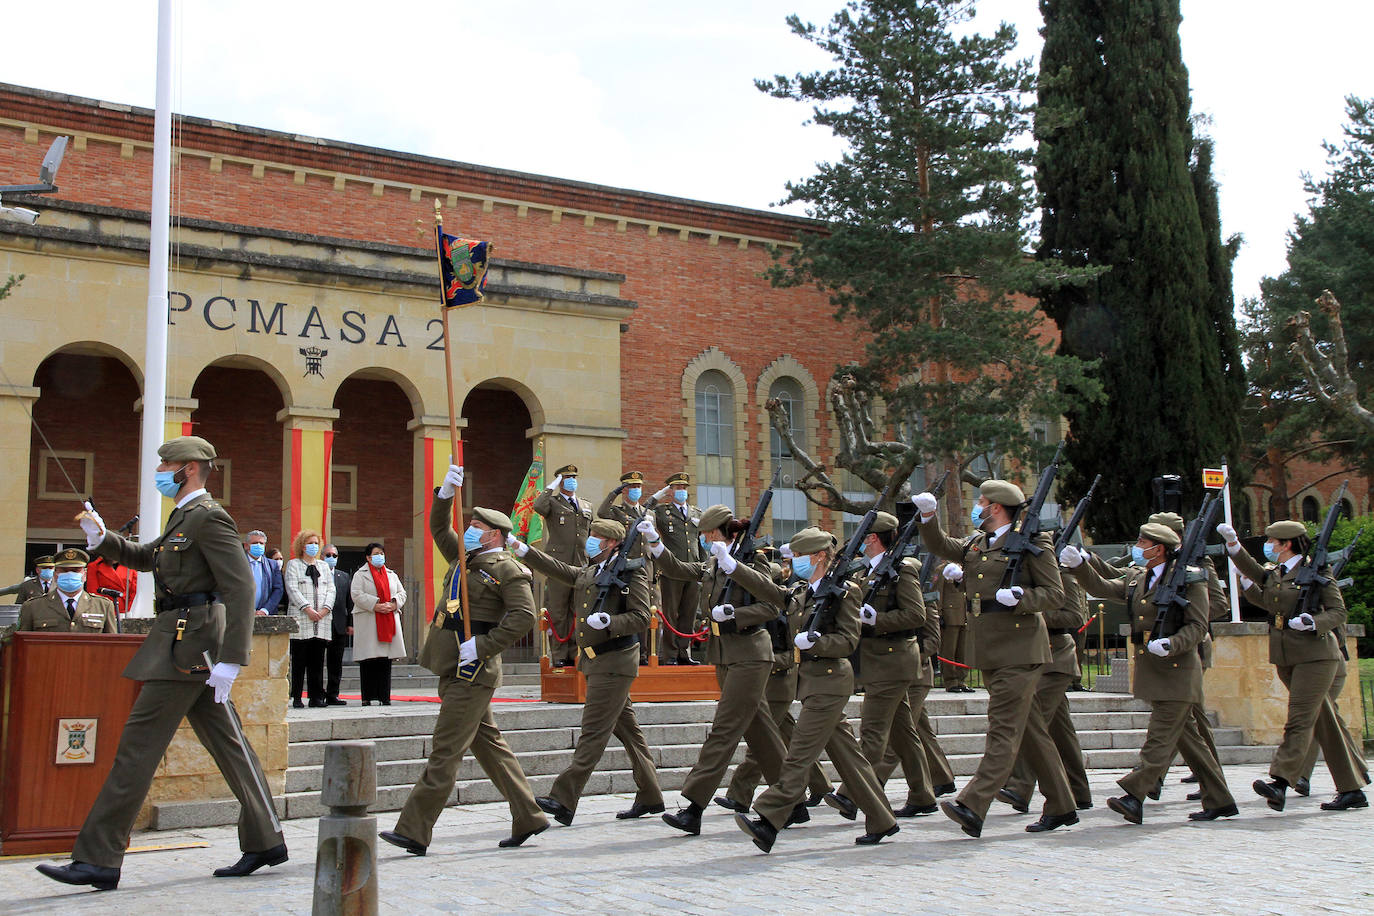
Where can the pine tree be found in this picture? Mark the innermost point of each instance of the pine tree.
(1119, 192)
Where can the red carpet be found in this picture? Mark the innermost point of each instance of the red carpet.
(395, 698)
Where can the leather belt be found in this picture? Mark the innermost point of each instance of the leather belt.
(1061, 631)
(993, 607)
(897, 635)
(180, 602)
(611, 645)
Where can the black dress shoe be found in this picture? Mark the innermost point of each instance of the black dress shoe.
(405, 842)
(638, 810)
(1190, 778)
(335, 701)
(848, 810)
(511, 842)
(97, 876)
(555, 809)
(384, 702)
(296, 703)
(1211, 814)
(971, 823)
(1083, 806)
(1303, 787)
(945, 789)
(964, 688)
(252, 861)
(1079, 688)
(688, 661)
(1129, 807)
(668, 661)
(729, 804)
(910, 810)
(800, 815)
(687, 819)
(815, 798)
(316, 704)
(873, 839)
(1157, 790)
(1014, 799)
(1344, 801)
(1049, 822)
(759, 830)
(1272, 792)
(1194, 796)
(954, 688)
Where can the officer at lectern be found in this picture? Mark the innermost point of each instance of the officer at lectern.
(201, 637)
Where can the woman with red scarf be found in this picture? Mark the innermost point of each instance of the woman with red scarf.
(377, 599)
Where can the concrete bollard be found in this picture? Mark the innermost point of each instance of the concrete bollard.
(346, 863)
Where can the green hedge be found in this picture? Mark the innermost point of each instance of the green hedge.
(1359, 595)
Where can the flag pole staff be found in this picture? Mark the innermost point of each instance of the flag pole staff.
(457, 456)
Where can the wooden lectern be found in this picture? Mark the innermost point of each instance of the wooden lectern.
(63, 705)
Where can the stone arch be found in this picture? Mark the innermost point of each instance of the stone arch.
(92, 348)
(246, 361)
(713, 359)
(387, 374)
(531, 399)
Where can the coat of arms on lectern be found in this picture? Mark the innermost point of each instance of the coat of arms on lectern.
(76, 740)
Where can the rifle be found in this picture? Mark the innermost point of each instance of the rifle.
(1174, 590)
(1077, 518)
(746, 543)
(1021, 541)
(1309, 579)
(831, 586)
(887, 569)
(1342, 557)
(612, 576)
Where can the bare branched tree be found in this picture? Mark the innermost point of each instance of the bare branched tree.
(1328, 374)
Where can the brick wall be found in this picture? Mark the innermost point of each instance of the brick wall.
(238, 416)
(495, 447)
(371, 435)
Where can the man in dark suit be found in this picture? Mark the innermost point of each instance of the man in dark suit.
(266, 574)
(342, 624)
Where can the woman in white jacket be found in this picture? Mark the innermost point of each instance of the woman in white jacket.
(309, 598)
(377, 600)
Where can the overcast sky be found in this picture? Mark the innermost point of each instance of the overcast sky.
(655, 96)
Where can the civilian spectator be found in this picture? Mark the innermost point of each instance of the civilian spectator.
(266, 574)
(111, 579)
(275, 556)
(309, 586)
(377, 600)
(341, 627)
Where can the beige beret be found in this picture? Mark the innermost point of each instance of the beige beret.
(811, 540)
(498, 520)
(714, 517)
(608, 528)
(1003, 492)
(1160, 534)
(884, 521)
(186, 448)
(1168, 519)
(1286, 530)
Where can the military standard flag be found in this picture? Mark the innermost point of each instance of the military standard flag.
(529, 525)
(462, 268)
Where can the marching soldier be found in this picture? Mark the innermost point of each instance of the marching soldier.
(826, 682)
(69, 607)
(501, 603)
(628, 512)
(1304, 785)
(742, 652)
(677, 522)
(608, 655)
(955, 633)
(1168, 671)
(1304, 649)
(202, 635)
(40, 583)
(1011, 647)
(568, 522)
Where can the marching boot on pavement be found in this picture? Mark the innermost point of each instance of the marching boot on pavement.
(1010, 646)
(608, 624)
(1303, 786)
(501, 603)
(1305, 651)
(567, 523)
(202, 635)
(927, 772)
(678, 524)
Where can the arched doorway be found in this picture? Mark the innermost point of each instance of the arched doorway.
(496, 451)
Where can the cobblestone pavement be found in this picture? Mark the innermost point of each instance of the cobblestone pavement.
(1301, 861)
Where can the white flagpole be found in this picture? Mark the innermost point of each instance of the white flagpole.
(1232, 583)
(155, 343)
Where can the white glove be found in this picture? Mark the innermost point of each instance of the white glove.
(803, 641)
(1010, 596)
(557, 482)
(221, 679)
(1158, 647)
(924, 503)
(599, 621)
(516, 546)
(453, 480)
(647, 529)
(1302, 622)
(92, 524)
(1070, 558)
(785, 551)
(1228, 534)
(721, 551)
(953, 572)
(723, 612)
(868, 615)
(661, 493)
(467, 651)
(1245, 583)
(656, 548)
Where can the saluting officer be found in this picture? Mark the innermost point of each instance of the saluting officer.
(40, 583)
(202, 635)
(1304, 650)
(501, 604)
(1010, 646)
(567, 523)
(1167, 671)
(608, 655)
(678, 524)
(69, 607)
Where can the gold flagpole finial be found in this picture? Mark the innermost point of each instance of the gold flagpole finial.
(438, 212)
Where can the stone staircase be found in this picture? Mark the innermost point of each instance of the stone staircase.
(1111, 728)
(412, 680)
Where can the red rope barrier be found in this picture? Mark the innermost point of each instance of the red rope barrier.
(554, 630)
(699, 636)
(1088, 624)
(946, 661)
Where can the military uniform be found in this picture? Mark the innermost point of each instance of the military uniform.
(1334, 694)
(628, 515)
(50, 614)
(204, 605)
(955, 635)
(1306, 662)
(567, 522)
(501, 604)
(1011, 647)
(609, 659)
(35, 586)
(678, 526)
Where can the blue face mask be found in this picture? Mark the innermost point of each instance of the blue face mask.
(377, 559)
(634, 493)
(69, 582)
(1271, 552)
(702, 539)
(472, 538)
(803, 567)
(976, 516)
(593, 547)
(570, 484)
(680, 495)
(312, 550)
(1137, 555)
(332, 561)
(257, 550)
(165, 482)
(45, 575)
